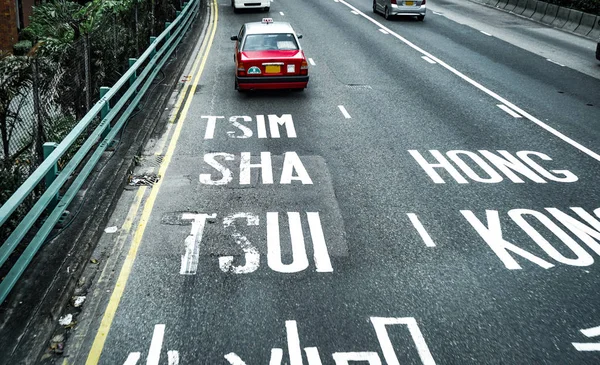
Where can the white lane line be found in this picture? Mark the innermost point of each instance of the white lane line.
(344, 111)
(132, 359)
(591, 332)
(281, 13)
(486, 33)
(509, 111)
(422, 232)
(436, 13)
(554, 62)
(156, 345)
(383, 31)
(354, 12)
(428, 59)
(311, 61)
(502, 100)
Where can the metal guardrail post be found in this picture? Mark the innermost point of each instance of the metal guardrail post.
(105, 109)
(48, 148)
(152, 40)
(167, 24)
(134, 76)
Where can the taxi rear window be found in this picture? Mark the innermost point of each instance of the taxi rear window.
(267, 42)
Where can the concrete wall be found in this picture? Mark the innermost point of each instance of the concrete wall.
(558, 17)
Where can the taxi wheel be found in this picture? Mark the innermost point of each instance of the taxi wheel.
(267, 9)
(420, 17)
(387, 15)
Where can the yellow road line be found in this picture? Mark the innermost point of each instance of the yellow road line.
(115, 298)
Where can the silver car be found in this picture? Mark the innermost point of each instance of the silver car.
(390, 8)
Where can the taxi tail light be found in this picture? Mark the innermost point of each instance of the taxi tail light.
(304, 68)
(424, 1)
(394, 2)
(241, 70)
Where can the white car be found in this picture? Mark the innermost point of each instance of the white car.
(251, 4)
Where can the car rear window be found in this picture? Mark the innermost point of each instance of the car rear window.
(266, 42)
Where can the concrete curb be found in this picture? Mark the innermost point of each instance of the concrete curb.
(550, 14)
(521, 6)
(540, 10)
(574, 21)
(530, 8)
(587, 24)
(595, 33)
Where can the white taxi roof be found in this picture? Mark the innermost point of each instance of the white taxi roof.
(272, 28)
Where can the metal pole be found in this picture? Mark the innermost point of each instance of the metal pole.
(105, 109)
(48, 148)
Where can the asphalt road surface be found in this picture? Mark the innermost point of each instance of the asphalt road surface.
(431, 198)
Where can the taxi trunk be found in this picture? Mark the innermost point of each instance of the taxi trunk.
(272, 70)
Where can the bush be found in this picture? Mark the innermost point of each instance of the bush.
(587, 6)
(22, 48)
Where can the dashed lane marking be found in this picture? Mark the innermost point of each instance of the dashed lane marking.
(344, 112)
(479, 86)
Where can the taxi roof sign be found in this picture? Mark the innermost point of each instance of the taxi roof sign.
(267, 20)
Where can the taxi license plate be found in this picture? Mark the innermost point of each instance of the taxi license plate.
(409, 3)
(272, 69)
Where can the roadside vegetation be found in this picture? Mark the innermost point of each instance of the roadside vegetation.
(65, 55)
(587, 6)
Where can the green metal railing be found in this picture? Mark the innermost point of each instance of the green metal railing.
(137, 83)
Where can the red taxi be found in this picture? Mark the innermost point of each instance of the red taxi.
(268, 56)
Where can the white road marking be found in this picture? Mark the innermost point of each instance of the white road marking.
(436, 13)
(344, 112)
(502, 100)
(234, 359)
(251, 254)
(344, 358)
(276, 357)
(312, 354)
(312, 62)
(387, 348)
(422, 232)
(428, 59)
(591, 332)
(281, 13)
(554, 62)
(354, 12)
(173, 357)
(322, 261)
(383, 31)
(293, 341)
(156, 345)
(509, 111)
(274, 259)
(132, 359)
(189, 261)
(586, 346)
(486, 33)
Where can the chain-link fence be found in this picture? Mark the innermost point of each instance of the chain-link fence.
(45, 93)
